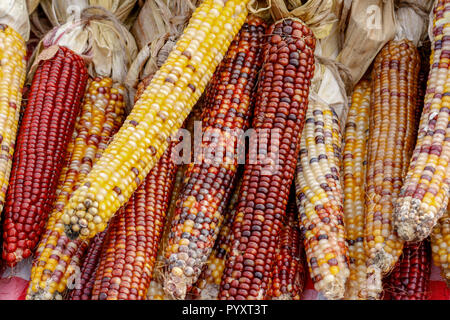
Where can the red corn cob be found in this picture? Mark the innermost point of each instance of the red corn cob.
(410, 279)
(281, 103)
(88, 269)
(200, 206)
(129, 252)
(53, 104)
(289, 272)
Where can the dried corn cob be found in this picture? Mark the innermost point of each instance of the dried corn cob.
(159, 113)
(88, 269)
(289, 272)
(57, 257)
(208, 284)
(425, 192)
(53, 105)
(410, 279)
(354, 167)
(391, 141)
(440, 245)
(12, 77)
(320, 201)
(129, 252)
(281, 102)
(199, 210)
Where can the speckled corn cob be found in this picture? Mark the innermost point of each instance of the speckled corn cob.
(289, 271)
(280, 107)
(155, 117)
(208, 284)
(391, 140)
(354, 168)
(440, 245)
(83, 290)
(425, 192)
(12, 77)
(204, 197)
(58, 258)
(320, 201)
(410, 279)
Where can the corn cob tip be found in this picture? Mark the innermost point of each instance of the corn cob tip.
(382, 260)
(210, 292)
(175, 286)
(374, 284)
(43, 295)
(333, 290)
(411, 224)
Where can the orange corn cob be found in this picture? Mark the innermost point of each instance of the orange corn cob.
(53, 104)
(280, 107)
(289, 272)
(354, 167)
(129, 252)
(57, 257)
(440, 245)
(425, 192)
(88, 269)
(201, 204)
(391, 141)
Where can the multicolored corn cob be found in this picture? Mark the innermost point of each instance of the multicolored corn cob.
(320, 201)
(200, 207)
(208, 284)
(391, 142)
(12, 78)
(83, 290)
(58, 258)
(156, 116)
(354, 169)
(410, 279)
(440, 245)
(53, 104)
(129, 252)
(424, 195)
(281, 103)
(289, 271)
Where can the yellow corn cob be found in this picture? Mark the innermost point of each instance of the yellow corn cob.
(392, 134)
(440, 245)
(57, 257)
(425, 193)
(12, 78)
(156, 116)
(354, 166)
(320, 201)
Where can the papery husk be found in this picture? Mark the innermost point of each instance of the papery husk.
(40, 25)
(412, 20)
(370, 26)
(59, 11)
(159, 25)
(14, 13)
(32, 5)
(105, 44)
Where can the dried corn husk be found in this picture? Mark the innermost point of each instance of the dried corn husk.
(159, 25)
(371, 25)
(14, 14)
(32, 5)
(107, 46)
(412, 20)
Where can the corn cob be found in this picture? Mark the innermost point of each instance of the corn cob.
(354, 167)
(207, 286)
(410, 279)
(280, 107)
(12, 78)
(199, 211)
(129, 252)
(157, 115)
(88, 269)
(320, 201)
(440, 245)
(391, 141)
(425, 192)
(57, 257)
(54, 102)
(289, 272)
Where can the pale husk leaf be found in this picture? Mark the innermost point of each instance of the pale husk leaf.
(14, 13)
(32, 5)
(412, 20)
